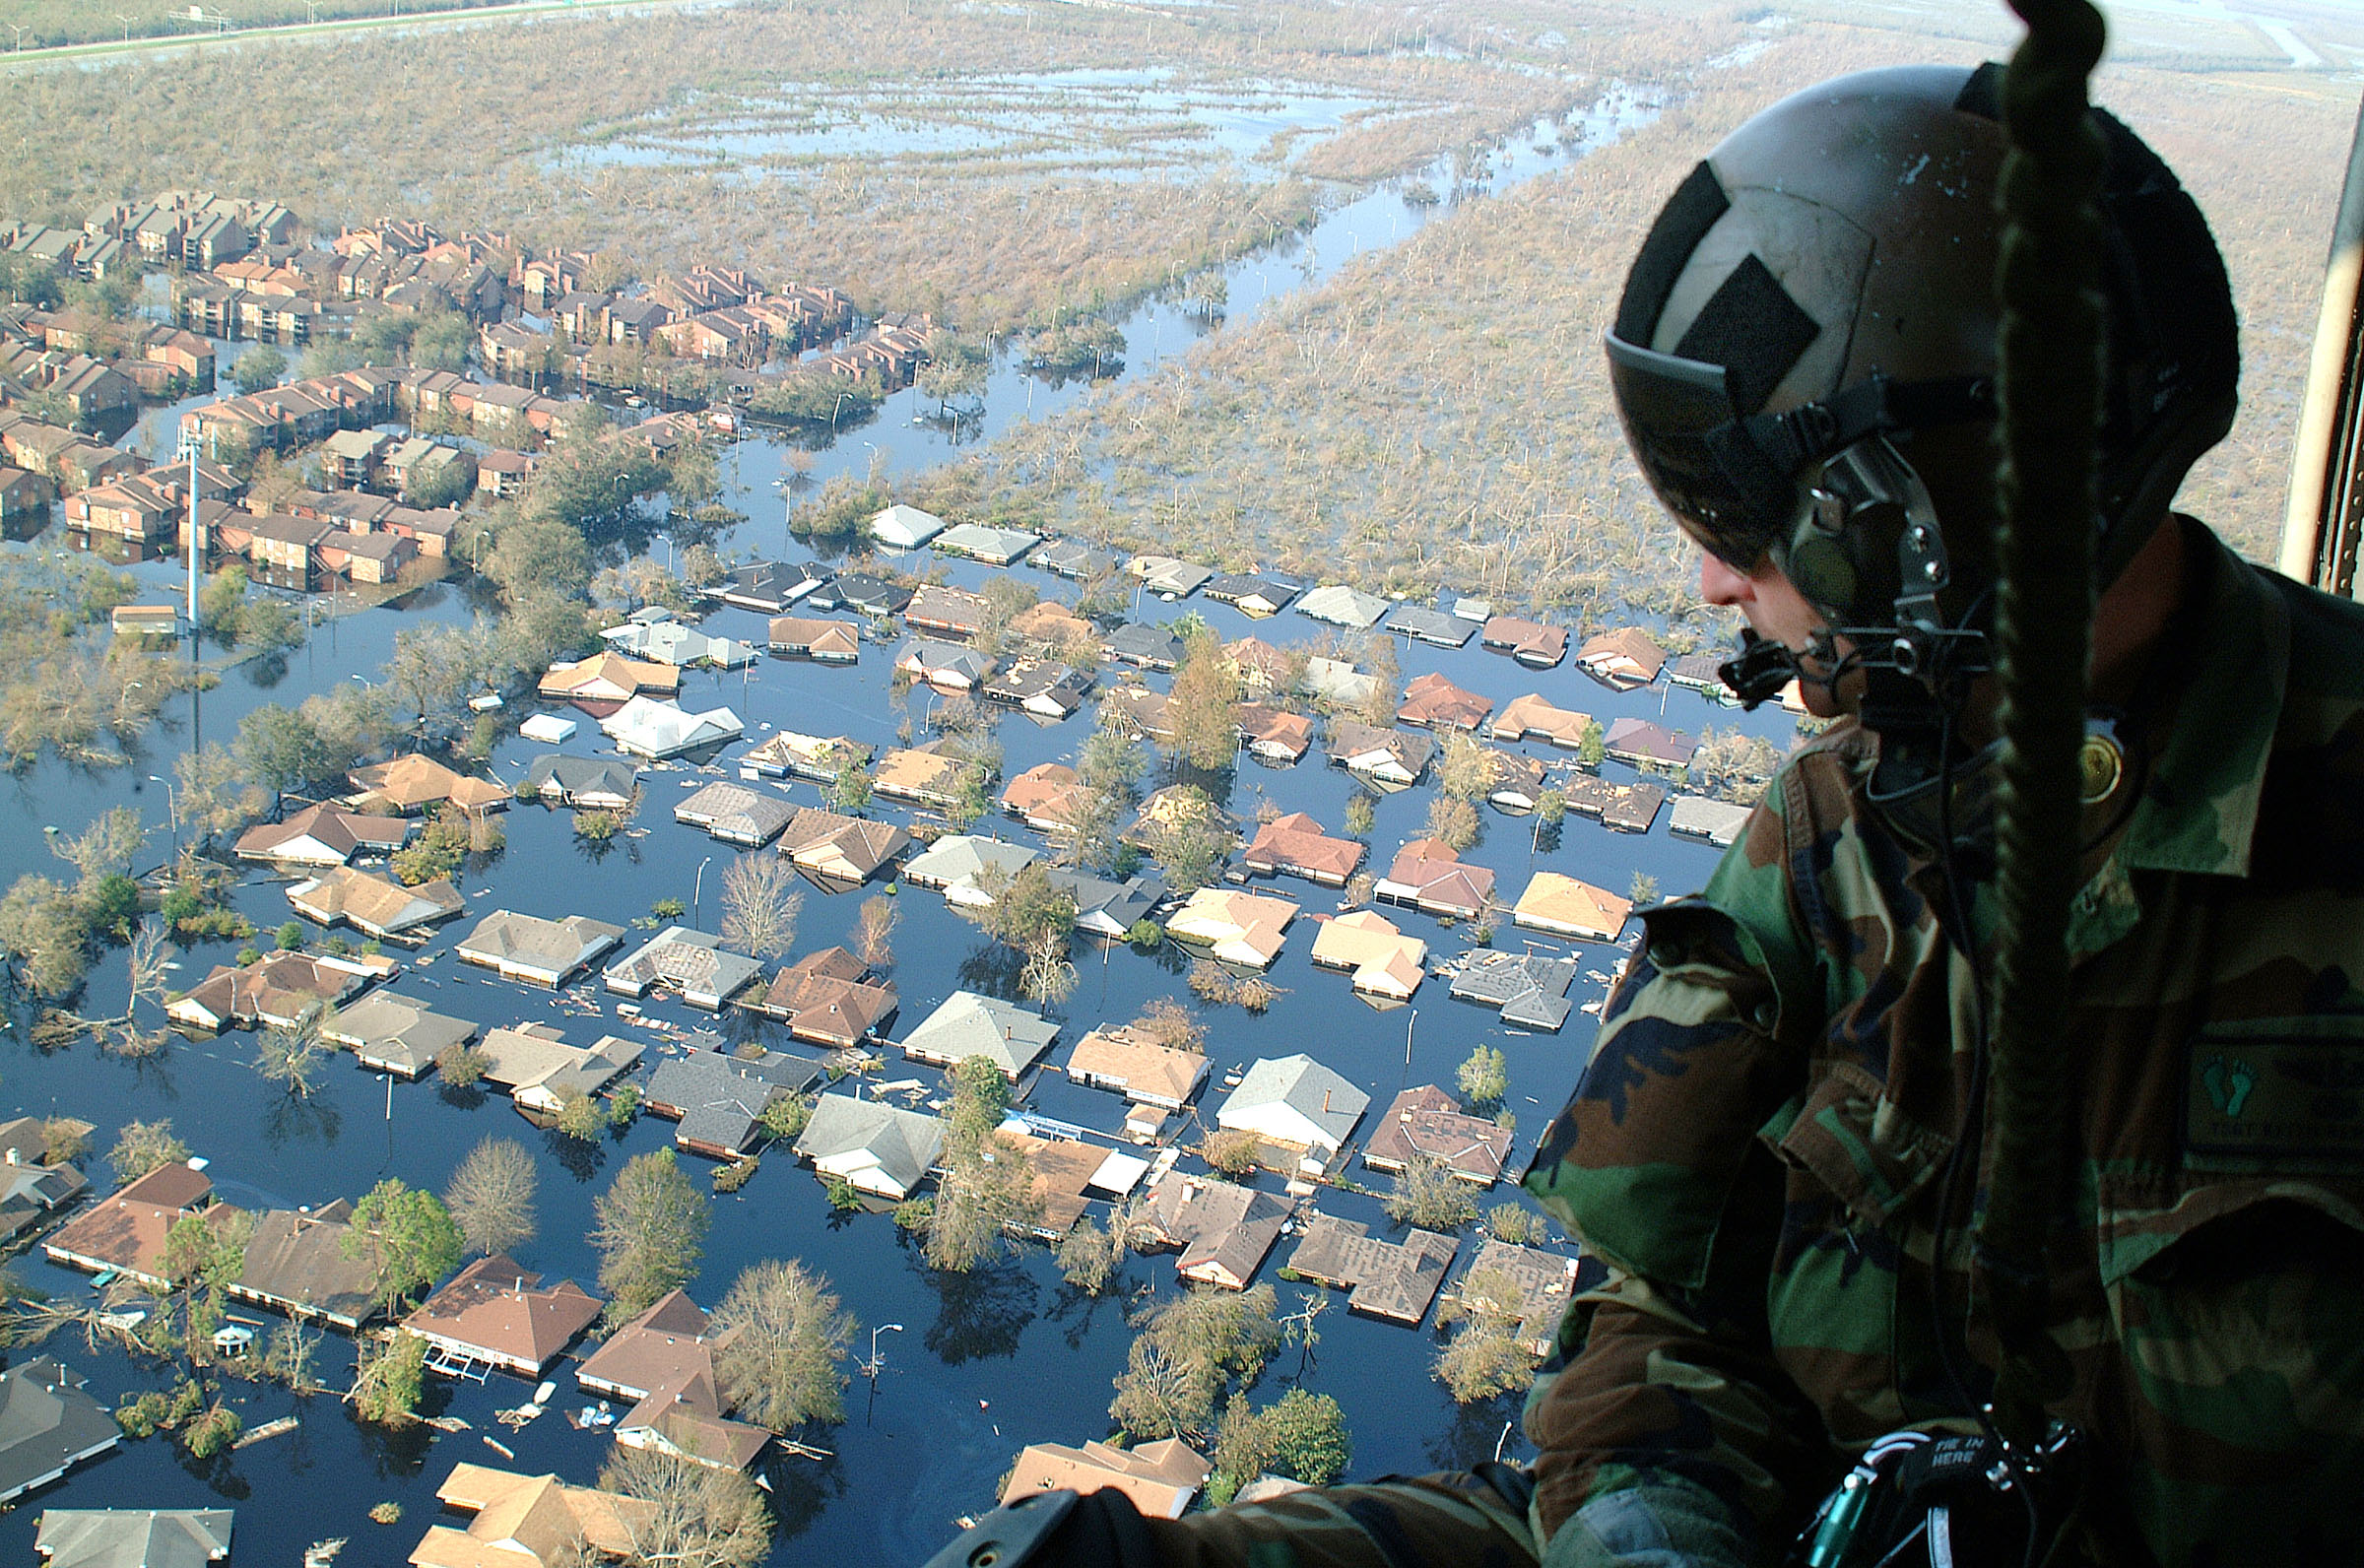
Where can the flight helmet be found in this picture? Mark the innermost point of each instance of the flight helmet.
(1804, 354)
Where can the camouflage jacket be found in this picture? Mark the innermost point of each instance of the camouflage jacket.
(1757, 1146)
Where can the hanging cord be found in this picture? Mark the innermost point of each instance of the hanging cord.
(2051, 387)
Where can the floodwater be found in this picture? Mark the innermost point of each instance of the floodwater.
(983, 1363)
(975, 1366)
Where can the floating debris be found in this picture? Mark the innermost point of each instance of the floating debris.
(270, 1429)
(320, 1553)
(501, 1448)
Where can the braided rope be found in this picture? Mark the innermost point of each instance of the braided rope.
(2051, 387)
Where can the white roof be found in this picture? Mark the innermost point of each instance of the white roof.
(1296, 1099)
(966, 1025)
(1718, 822)
(1119, 1173)
(905, 526)
(1342, 606)
(654, 728)
(548, 728)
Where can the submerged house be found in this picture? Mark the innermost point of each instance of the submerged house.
(1121, 1058)
(878, 1149)
(496, 1311)
(648, 728)
(821, 642)
(323, 835)
(1529, 989)
(1385, 757)
(966, 1025)
(1162, 1477)
(1294, 845)
(1432, 702)
(529, 1522)
(734, 813)
(841, 849)
(374, 905)
(133, 1538)
(1425, 1123)
(1384, 962)
(586, 783)
(1295, 1102)
(963, 865)
(1391, 1280)
(661, 1364)
(278, 989)
(1223, 1231)
(48, 1424)
(1566, 907)
(1533, 717)
(719, 1100)
(1623, 659)
(828, 997)
(1235, 928)
(536, 952)
(387, 1032)
(691, 965)
(541, 1070)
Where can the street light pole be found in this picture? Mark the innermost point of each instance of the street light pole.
(171, 809)
(870, 1368)
(697, 891)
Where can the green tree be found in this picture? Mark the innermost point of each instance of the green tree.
(1362, 813)
(289, 1054)
(388, 1379)
(1451, 822)
(280, 749)
(1301, 1435)
(849, 790)
(106, 847)
(538, 554)
(1593, 745)
(1483, 1076)
(780, 1335)
(1203, 707)
(1189, 1351)
(490, 1196)
(45, 935)
(650, 1229)
(1516, 1224)
(143, 1146)
(1429, 1195)
(1465, 770)
(441, 342)
(701, 1516)
(408, 1238)
(260, 366)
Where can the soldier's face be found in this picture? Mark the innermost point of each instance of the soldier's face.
(1775, 610)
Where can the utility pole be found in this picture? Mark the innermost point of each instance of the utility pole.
(196, 545)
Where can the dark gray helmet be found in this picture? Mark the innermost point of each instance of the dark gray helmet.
(1821, 288)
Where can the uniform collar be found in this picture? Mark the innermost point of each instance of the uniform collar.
(2220, 707)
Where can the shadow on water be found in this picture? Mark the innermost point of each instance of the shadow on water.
(581, 1158)
(994, 970)
(1474, 1431)
(981, 1314)
(801, 1490)
(293, 1119)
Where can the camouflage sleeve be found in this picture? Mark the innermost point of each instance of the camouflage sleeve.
(1664, 1383)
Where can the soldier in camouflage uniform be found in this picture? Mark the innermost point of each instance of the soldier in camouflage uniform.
(1773, 1150)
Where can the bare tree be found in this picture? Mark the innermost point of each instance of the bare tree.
(106, 847)
(491, 1196)
(289, 1054)
(873, 937)
(761, 902)
(143, 1147)
(701, 1517)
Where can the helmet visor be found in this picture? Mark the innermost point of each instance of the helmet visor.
(1680, 423)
